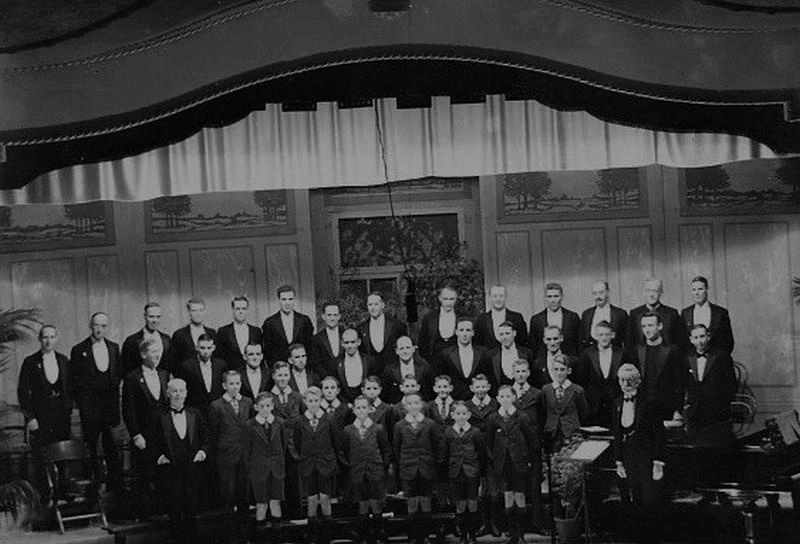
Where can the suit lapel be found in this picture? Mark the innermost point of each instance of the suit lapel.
(713, 324)
(642, 360)
(710, 360)
(616, 362)
(387, 326)
(693, 367)
(189, 425)
(594, 356)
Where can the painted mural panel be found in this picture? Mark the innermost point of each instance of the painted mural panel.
(102, 287)
(218, 275)
(163, 286)
(219, 215)
(35, 227)
(758, 272)
(576, 195)
(567, 256)
(635, 256)
(747, 187)
(514, 270)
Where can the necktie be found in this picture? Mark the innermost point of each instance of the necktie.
(235, 406)
(460, 432)
(314, 422)
(629, 399)
(443, 410)
(267, 427)
(559, 393)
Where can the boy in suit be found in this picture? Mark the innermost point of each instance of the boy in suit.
(409, 386)
(288, 405)
(181, 446)
(313, 443)
(464, 455)
(371, 389)
(564, 405)
(255, 376)
(227, 417)
(285, 327)
(481, 406)
(712, 381)
(416, 450)
(464, 360)
(365, 449)
(184, 340)
(554, 315)
(332, 404)
(233, 338)
(511, 444)
(596, 372)
(264, 451)
(301, 378)
(440, 411)
(203, 375)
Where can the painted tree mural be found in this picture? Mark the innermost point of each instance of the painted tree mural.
(618, 184)
(172, 208)
(528, 188)
(270, 203)
(87, 217)
(704, 184)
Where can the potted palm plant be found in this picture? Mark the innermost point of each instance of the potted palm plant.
(567, 478)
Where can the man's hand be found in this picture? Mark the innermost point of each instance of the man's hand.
(200, 456)
(139, 442)
(33, 425)
(658, 471)
(162, 460)
(621, 470)
(677, 416)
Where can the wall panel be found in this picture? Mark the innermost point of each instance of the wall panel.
(282, 268)
(696, 249)
(514, 269)
(164, 286)
(573, 258)
(635, 262)
(219, 274)
(103, 292)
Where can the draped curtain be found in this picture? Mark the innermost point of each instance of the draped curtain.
(331, 146)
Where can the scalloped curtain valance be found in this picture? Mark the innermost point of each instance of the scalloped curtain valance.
(331, 147)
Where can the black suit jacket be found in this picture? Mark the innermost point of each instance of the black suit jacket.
(720, 327)
(165, 436)
(276, 345)
(228, 347)
(313, 379)
(570, 328)
(265, 382)
(644, 443)
(392, 330)
(619, 322)
(484, 330)
(321, 358)
(132, 359)
(97, 402)
(451, 365)
(663, 391)
(600, 391)
(183, 347)
(710, 399)
(196, 394)
(392, 379)
(33, 393)
(673, 330)
(495, 366)
(430, 341)
(138, 404)
(367, 368)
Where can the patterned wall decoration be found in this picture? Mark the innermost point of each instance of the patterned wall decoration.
(586, 194)
(37, 227)
(430, 188)
(219, 215)
(748, 187)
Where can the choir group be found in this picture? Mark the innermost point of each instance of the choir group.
(279, 415)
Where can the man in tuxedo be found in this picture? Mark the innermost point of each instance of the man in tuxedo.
(463, 361)
(553, 340)
(44, 391)
(235, 336)
(131, 358)
(596, 372)
(663, 369)
(603, 310)
(181, 448)
(554, 315)
(184, 340)
(673, 331)
(352, 366)
(438, 328)
(326, 345)
(203, 375)
(144, 391)
(487, 326)
(285, 327)
(301, 378)
(714, 317)
(712, 381)
(502, 358)
(407, 362)
(255, 375)
(380, 332)
(97, 374)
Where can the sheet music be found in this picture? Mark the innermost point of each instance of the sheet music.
(590, 450)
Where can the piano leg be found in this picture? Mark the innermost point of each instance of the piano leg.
(748, 511)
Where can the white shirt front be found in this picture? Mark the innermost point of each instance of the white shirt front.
(628, 412)
(555, 319)
(508, 356)
(605, 360)
(701, 315)
(152, 381)
(407, 369)
(100, 354)
(701, 367)
(333, 340)
(447, 324)
(196, 331)
(377, 328)
(288, 325)
(205, 370)
(600, 314)
(154, 336)
(50, 366)
(242, 334)
(443, 406)
(179, 421)
(353, 368)
(498, 318)
(254, 379)
(466, 356)
(301, 379)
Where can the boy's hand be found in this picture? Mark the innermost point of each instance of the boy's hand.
(200, 456)
(162, 460)
(33, 425)
(621, 471)
(658, 471)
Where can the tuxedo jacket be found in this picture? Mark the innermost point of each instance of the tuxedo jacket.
(392, 379)
(321, 358)
(264, 453)
(276, 345)
(166, 436)
(314, 448)
(226, 428)
(96, 393)
(451, 366)
(619, 322)
(720, 327)
(368, 456)
(228, 348)
(132, 358)
(673, 330)
(566, 415)
(540, 375)
(710, 399)
(430, 341)
(311, 377)
(643, 443)
(392, 330)
(416, 451)
(196, 394)
(664, 383)
(513, 438)
(183, 347)
(265, 385)
(495, 366)
(367, 368)
(600, 391)
(570, 328)
(33, 392)
(484, 330)
(465, 453)
(138, 404)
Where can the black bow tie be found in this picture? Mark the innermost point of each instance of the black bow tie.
(704, 354)
(177, 411)
(629, 399)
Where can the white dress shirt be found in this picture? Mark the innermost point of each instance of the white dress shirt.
(466, 356)
(377, 328)
(333, 340)
(242, 335)
(628, 413)
(447, 324)
(254, 379)
(508, 356)
(600, 314)
(701, 315)
(179, 421)
(555, 319)
(50, 366)
(301, 379)
(407, 368)
(605, 360)
(701, 366)
(288, 325)
(152, 381)
(353, 368)
(100, 354)
(205, 370)
(498, 318)
(196, 331)
(154, 336)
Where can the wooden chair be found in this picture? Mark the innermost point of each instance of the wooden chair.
(75, 485)
(744, 405)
